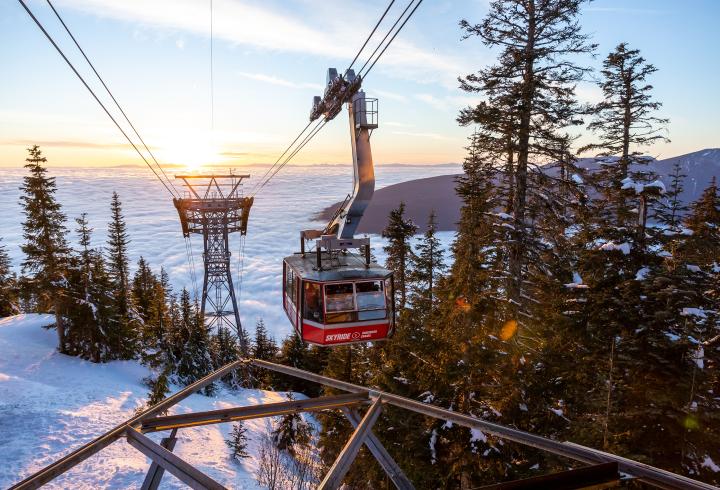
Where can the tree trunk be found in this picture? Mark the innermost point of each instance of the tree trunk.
(510, 174)
(60, 327)
(517, 250)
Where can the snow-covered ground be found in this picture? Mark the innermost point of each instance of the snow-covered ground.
(51, 404)
(283, 208)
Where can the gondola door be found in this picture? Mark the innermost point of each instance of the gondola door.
(291, 297)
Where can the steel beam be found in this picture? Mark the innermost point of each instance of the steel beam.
(386, 461)
(595, 477)
(186, 473)
(646, 473)
(53, 470)
(155, 473)
(333, 479)
(252, 412)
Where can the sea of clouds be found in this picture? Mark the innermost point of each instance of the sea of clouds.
(285, 206)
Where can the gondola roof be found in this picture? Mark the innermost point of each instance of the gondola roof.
(352, 268)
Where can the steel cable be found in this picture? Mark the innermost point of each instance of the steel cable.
(391, 39)
(272, 171)
(370, 36)
(72, 67)
(386, 36)
(92, 66)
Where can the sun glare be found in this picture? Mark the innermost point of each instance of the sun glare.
(192, 151)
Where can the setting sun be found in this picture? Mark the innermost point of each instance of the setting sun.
(190, 150)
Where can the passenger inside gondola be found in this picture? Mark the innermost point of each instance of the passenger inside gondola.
(313, 307)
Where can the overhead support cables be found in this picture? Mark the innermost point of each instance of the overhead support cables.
(364, 74)
(371, 34)
(162, 176)
(166, 182)
(294, 147)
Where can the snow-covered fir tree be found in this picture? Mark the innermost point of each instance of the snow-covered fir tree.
(238, 441)
(291, 431)
(125, 329)
(91, 310)
(398, 233)
(195, 360)
(427, 265)
(8, 285)
(46, 250)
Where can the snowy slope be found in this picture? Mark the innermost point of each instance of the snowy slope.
(51, 404)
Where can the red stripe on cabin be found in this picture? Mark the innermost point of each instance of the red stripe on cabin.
(344, 335)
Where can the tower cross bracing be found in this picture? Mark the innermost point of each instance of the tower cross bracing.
(213, 206)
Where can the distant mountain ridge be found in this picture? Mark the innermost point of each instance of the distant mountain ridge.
(438, 193)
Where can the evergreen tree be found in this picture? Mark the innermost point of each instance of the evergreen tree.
(143, 291)
(226, 349)
(117, 251)
(292, 430)
(264, 346)
(160, 310)
(704, 222)
(174, 334)
(625, 122)
(533, 84)
(294, 352)
(159, 388)
(478, 246)
(195, 360)
(671, 208)
(45, 248)
(8, 285)
(675, 340)
(125, 328)
(398, 233)
(624, 119)
(238, 441)
(428, 264)
(90, 313)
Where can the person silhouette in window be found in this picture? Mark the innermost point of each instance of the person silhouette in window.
(313, 310)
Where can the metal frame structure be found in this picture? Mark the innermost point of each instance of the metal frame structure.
(164, 460)
(338, 236)
(214, 207)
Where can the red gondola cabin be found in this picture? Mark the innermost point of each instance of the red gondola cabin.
(350, 302)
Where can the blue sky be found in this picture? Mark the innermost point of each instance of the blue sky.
(270, 58)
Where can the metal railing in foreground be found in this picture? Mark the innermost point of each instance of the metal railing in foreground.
(163, 459)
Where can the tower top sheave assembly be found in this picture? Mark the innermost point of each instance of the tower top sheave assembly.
(338, 90)
(213, 192)
(213, 206)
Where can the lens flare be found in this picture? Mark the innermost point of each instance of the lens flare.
(462, 304)
(508, 330)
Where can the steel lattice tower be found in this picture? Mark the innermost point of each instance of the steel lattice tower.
(213, 206)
